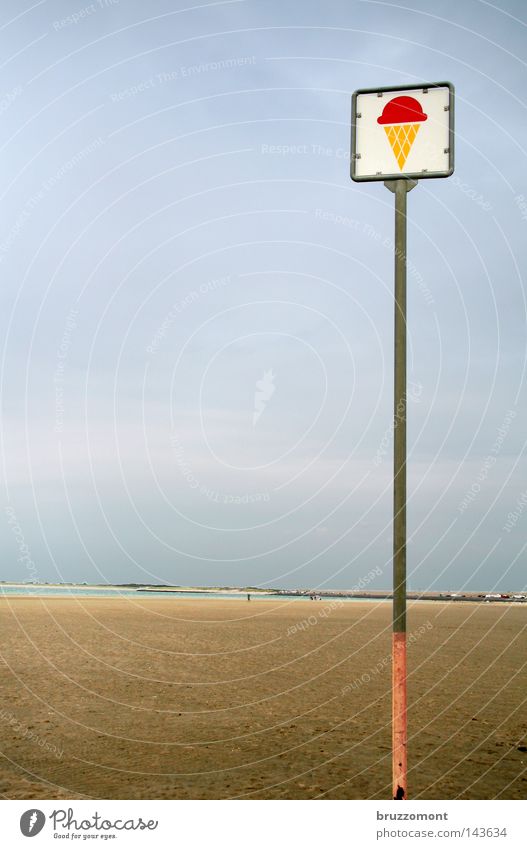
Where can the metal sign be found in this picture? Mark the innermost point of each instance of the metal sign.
(403, 131)
(401, 135)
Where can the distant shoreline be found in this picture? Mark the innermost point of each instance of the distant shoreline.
(33, 590)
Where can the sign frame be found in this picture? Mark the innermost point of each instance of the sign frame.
(417, 175)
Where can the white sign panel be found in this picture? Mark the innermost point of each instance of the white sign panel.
(403, 132)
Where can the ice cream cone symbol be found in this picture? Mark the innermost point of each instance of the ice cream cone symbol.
(401, 119)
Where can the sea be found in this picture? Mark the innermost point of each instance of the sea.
(82, 591)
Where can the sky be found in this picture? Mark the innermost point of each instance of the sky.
(197, 302)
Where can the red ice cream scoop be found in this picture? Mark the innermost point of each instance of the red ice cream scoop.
(402, 110)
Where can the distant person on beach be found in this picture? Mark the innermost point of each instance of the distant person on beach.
(248, 596)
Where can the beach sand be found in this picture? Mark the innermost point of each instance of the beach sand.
(178, 699)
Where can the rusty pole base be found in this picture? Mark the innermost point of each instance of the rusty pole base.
(399, 728)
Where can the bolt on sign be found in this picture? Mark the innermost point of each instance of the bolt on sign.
(403, 132)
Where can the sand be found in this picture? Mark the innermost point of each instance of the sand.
(178, 699)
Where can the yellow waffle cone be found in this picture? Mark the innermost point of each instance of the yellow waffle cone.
(401, 138)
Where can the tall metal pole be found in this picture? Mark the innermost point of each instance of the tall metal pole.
(399, 719)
